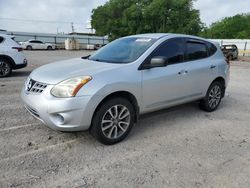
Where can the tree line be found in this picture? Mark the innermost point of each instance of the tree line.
(235, 27)
(118, 18)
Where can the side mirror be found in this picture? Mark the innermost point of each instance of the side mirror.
(158, 61)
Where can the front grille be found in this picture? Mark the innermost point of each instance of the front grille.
(38, 87)
(35, 87)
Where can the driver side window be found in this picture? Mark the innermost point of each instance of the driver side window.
(172, 49)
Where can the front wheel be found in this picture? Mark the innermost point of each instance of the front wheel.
(29, 48)
(5, 68)
(113, 121)
(213, 97)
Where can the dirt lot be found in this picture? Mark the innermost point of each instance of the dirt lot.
(177, 147)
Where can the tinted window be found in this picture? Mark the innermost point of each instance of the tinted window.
(1, 39)
(211, 48)
(196, 50)
(36, 41)
(172, 49)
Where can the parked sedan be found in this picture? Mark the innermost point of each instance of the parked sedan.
(107, 91)
(11, 55)
(37, 45)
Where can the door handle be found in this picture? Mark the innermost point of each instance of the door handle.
(212, 66)
(183, 72)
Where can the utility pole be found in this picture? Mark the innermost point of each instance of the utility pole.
(72, 27)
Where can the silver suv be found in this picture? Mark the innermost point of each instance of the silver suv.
(107, 91)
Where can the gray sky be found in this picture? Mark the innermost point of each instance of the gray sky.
(214, 10)
(79, 11)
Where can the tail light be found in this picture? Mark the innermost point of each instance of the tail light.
(19, 49)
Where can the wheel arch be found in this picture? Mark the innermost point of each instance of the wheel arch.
(123, 94)
(27, 46)
(221, 80)
(9, 59)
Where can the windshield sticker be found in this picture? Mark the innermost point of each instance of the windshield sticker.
(143, 40)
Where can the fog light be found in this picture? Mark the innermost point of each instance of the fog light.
(59, 119)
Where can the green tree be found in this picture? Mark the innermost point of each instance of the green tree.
(119, 18)
(237, 27)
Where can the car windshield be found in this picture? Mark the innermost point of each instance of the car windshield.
(123, 50)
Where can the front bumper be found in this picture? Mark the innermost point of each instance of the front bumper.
(62, 114)
(19, 66)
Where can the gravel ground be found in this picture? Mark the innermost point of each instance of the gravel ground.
(177, 147)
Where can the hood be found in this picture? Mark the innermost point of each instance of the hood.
(56, 72)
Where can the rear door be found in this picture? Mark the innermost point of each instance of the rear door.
(33, 44)
(41, 45)
(200, 66)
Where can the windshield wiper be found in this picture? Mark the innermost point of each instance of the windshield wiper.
(99, 60)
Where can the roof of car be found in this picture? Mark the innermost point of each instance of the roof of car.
(150, 35)
(168, 35)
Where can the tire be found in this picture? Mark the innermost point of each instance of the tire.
(49, 48)
(213, 97)
(113, 121)
(230, 58)
(5, 68)
(29, 48)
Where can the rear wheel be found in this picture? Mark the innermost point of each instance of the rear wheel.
(5, 68)
(49, 48)
(213, 97)
(230, 58)
(113, 121)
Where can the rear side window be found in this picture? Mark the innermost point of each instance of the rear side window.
(172, 49)
(196, 50)
(211, 48)
(1, 39)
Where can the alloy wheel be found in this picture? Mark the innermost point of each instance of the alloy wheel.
(115, 121)
(4, 68)
(214, 97)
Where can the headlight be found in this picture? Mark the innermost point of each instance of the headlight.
(70, 87)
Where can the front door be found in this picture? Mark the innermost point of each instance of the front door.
(164, 86)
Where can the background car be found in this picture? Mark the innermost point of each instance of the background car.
(37, 45)
(230, 51)
(11, 55)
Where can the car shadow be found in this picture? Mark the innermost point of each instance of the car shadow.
(149, 121)
(167, 117)
(20, 73)
(154, 120)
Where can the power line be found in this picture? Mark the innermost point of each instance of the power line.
(42, 21)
